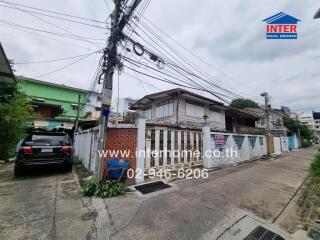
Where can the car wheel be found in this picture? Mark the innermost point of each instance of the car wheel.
(18, 171)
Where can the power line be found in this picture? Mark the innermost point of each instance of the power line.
(52, 24)
(66, 66)
(58, 40)
(196, 56)
(60, 18)
(179, 84)
(52, 60)
(58, 13)
(105, 1)
(48, 32)
(188, 70)
(173, 64)
(189, 63)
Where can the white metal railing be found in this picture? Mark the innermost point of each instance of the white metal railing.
(170, 147)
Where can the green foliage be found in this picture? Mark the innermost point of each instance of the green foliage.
(90, 187)
(77, 162)
(13, 112)
(109, 189)
(305, 227)
(241, 103)
(305, 133)
(291, 124)
(315, 167)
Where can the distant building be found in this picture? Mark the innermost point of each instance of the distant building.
(56, 104)
(316, 117)
(276, 116)
(123, 107)
(310, 122)
(286, 110)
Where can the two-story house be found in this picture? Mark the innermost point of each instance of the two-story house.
(55, 104)
(184, 109)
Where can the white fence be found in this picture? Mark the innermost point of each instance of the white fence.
(281, 144)
(228, 149)
(172, 147)
(85, 146)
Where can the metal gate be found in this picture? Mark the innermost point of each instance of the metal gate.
(171, 148)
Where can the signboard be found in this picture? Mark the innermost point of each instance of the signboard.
(219, 140)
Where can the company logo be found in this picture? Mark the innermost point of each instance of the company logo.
(281, 26)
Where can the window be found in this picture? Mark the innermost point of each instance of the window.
(164, 109)
(74, 107)
(194, 109)
(215, 115)
(99, 98)
(147, 113)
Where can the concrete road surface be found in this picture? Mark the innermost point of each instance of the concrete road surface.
(203, 208)
(44, 204)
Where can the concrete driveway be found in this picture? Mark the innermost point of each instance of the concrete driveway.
(202, 209)
(44, 204)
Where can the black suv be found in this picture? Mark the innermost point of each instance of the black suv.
(44, 148)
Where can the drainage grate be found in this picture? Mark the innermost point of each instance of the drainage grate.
(260, 233)
(152, 187)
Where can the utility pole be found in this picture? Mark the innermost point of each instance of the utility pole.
(78, 113)
(267, 117)
(109, 65)
(266, 111)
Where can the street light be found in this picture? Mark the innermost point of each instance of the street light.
(317, 15)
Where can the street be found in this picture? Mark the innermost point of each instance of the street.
(44, 205)
(49, 205)
(198, 209)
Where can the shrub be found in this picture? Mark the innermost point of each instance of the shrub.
(90, 187)
(305, 143)
(109, 189)
(315, 166)
(13, 114)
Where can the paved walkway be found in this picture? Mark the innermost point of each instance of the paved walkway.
(196, 209)
(42, 206)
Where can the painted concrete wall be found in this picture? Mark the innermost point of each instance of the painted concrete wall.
(277, 145)
(247, 147)
(85, 147)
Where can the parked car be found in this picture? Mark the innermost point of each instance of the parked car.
(44, 149)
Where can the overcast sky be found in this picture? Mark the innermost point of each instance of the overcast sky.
(228, 34)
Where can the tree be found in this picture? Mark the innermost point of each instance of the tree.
(294, 125)
(13, 113)
(241, 103)
(291, 124)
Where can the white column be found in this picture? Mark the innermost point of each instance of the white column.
(141, 146)
(206, 146)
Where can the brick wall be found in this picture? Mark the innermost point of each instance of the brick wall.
(123, 139)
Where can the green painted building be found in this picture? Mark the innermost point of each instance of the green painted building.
(55, 104)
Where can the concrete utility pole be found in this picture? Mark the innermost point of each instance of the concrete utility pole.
(78, 113)
(267, 119)
(109, 65)
(266, 111)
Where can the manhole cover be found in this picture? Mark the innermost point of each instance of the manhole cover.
(89, 215)
(152, 187)
(260, 233)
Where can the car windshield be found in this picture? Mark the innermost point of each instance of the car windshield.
(50, 140)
